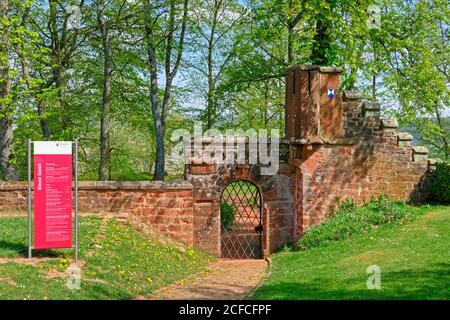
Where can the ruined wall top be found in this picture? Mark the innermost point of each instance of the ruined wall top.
(319, 112)
(314, 103)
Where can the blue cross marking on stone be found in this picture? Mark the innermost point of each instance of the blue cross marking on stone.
(331, 93)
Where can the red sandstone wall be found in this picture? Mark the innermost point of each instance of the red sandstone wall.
(277, 191)
(166, 206)
(340, 147)
(375, 159)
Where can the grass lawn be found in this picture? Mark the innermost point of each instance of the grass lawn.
(117, 263)
(414, 258)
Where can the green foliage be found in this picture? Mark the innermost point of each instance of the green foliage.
(232, 74)
(349, 220)
(347, 206)
(440, 184)
(415, 51)
(227, 215)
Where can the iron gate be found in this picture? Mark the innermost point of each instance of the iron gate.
(240, 215)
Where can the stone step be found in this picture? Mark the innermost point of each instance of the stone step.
(389, 124)
(371, 109)
(404, 139)
(420, 153)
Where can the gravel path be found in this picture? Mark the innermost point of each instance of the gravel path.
(224, 280)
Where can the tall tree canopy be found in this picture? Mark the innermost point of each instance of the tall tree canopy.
(121, 75)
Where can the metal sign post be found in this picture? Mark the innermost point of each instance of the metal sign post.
(30, 202)
(76, 199)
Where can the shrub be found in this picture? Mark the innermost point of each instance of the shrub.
(347, 205)
(440, 185)
(227, 215)
(349, 220)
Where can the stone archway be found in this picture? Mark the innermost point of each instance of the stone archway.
(277, 203)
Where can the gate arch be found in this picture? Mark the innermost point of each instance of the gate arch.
(241, 230)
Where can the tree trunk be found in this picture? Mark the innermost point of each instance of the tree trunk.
(292, 23)
(106, 103)
(59, 85)
(445, 143)
(321, 42)
(160, 156)
(159, 111)
(210, 94)
(43, 121)
(266, 104)
(210, 108)
(154, 101)
(6, 126)
(26, 75)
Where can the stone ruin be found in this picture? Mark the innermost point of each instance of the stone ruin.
(336, 146)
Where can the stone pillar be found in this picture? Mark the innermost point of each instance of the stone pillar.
(206, 207)
(313, 103)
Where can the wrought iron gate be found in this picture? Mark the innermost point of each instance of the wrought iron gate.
(240, 215)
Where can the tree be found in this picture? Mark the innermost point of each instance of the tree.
(107, 73)
(136, 70)
(171, 50)
(7, 166)
(61, 42)
(106, 26)
(214, 27)
(415, 45)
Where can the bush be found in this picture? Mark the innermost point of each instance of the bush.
(440, 185)
(227, 215)
(349, 220)
(347, 205)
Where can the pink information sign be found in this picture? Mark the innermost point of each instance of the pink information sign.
(52, 194)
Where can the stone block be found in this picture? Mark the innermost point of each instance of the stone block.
(352, 95)
(371, 109)
(404, 139)
(389, 123)
(202, 168)
(330, 69)
(420, 153)
(432, 163)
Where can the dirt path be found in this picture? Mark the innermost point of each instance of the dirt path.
(225, 279)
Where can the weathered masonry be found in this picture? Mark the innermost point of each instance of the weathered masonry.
(335, 147)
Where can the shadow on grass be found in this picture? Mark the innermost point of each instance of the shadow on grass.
(22, 250)
(14, 246)
(432, 283)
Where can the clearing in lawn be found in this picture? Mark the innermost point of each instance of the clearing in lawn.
(117, 262)
(414, 259)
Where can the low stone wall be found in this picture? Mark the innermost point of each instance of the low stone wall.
(167, 206)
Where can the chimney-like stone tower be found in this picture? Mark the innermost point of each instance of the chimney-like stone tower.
(314, 109)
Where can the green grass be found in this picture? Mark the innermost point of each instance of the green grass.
(119, 263)
(414, 258)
